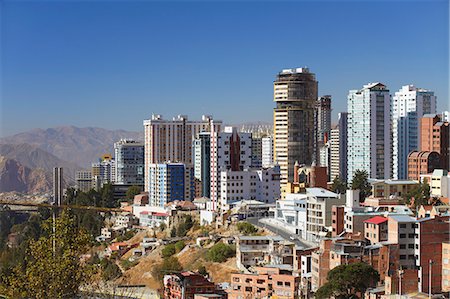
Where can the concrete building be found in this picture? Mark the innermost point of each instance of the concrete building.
(230, 151)
(445, 267)
(169, 182)
(337, 220)
(202, 162)
(291, 213)
(84, 180)
(256, 151)
(401, 230)
(323, 118)
(439, 183)
(376, 229)
(58, 185)
(369, 131)
(265, 283)
(186, 285)
(103, 171)
(129, 158)
(431, 233)
(261, 185)
(320, 264)
(335, 162)
(343, 145)
(434, 136)
(319, 205)
(409, 104)
(295, 94)
(171, 140)
(392, 188)
(267, 151)
(264, 250)
(423, 162)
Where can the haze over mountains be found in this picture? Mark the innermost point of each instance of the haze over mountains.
(27, 159)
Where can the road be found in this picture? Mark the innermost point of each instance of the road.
(281, 232)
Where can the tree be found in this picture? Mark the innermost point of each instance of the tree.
(347, 281)
(339, 186)
(179, 246)
(108, 197)
(361, 182)
(110, 270)
(202, 271)
(420, 193)
(220, 252)
(52, 266)
(246, 228)
(168, 250)
(132, 191)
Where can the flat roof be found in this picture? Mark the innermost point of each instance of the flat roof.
(321, 192)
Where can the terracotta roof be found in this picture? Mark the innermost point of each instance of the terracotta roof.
(376, 220)
(427, 207)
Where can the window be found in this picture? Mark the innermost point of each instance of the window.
(402, 236)
(402, 246)
(403, 225)
(402, 257)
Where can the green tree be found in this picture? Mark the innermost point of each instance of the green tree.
(52, 266)
(110, 270)
(339, 186)
(246, 228)
(132, 191)
(202, 271)
(107, 198)
(179, 246)
(168, 265)
(360, 181)
(420, 193)
(220, 252)
(168, 250)
(348, 281)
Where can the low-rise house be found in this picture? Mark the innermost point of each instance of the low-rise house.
(186, 285)
(153, 219)
(117, 247)
(123, 221)
(433, 211)
(376, 229)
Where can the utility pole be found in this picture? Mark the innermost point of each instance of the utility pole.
(400, 275)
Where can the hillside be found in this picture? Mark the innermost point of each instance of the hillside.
(81, 146)
(27, 168)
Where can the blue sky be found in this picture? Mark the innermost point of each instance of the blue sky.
(112, 64)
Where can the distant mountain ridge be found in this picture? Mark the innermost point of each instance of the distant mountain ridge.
(81, 146)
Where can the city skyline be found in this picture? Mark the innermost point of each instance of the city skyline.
(90, 59)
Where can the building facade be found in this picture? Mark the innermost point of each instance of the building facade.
(202, 162)
(58, 185)
(409, 104)
(129, 157)
(434, 136)
(295, 94)
(423, 162)
(369, 131)
(84, 180)
(267, 151)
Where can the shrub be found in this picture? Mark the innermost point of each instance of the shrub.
(110, 270)
(168, 265)
(220, 252)
(246, 228)
(179, 246)
(168, 250)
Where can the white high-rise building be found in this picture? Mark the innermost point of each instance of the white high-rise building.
(267, 151)
(129, 157)
(230, 150)
(369, 131)
(334, 153)
(409, 104)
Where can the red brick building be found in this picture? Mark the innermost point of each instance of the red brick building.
(431, 233)
(337, 220)
(422, 162)
(376, 229)
(434, 137)
(185, 285)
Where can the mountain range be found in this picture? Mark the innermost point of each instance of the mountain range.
(27, 159)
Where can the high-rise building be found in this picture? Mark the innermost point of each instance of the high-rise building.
(172, 140)
(434, 136)
(58, 185)
(169, 182)
(202, 162)
(334, 154)
(256, 151)
(129, 158)
(323, 118)
(369, 131)
(103, 172)
(409, 104)
(295, 94)
(343, 145)
(267, 151)
(84, 180)
(230, 150)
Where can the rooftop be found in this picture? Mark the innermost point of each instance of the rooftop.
(403, 218)
(321, 192)
(376, 220)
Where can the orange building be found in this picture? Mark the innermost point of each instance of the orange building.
(185, 285)
(422, 162)
(434, 137)
(337, 220)
(446, 267)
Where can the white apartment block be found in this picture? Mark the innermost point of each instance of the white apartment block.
(256, 151)
(261, 185)
(369, 131)
(409, 104)
(334, 154)
(291, 212)
(267, 151)
(171, 140)
(230, 151)
(319, 204)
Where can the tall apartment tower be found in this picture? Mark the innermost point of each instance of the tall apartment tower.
(323, 118)
(267, 151)
(256, 151)
(129, 157)
(369, 131)
(58, 185)
(343, 145)
(295, 95)
(409, 104)
(334, 154)
(202, 162)
(434, 137)
(171, 140)
(230, 150)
